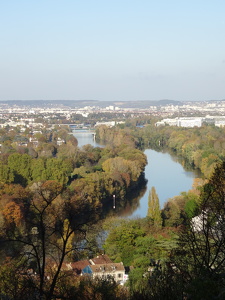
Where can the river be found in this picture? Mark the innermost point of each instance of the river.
(167, 175)
(85, 137)
(163, 171)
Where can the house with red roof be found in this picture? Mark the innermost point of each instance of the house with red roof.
(100, 266)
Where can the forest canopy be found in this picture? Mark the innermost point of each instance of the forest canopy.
(53, 193)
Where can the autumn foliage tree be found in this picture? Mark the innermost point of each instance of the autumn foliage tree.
(202, 148)
(53, 229)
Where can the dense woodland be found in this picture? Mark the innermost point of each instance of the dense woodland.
(112, 169)
(51, 194)
(172, 259)
(54, 197)
(200, 147)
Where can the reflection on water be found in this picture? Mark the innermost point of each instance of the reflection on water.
(86, 137)
(164, 171)
(187, 167)
(167, 175)
(133, 203)
(133, 198)
(129, 205)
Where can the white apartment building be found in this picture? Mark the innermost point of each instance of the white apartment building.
(181, 122)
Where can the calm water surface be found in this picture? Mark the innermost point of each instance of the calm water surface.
(163, 171)
(85, 137)
(168, 177)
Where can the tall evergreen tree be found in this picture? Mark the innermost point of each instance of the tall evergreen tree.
(154, 208)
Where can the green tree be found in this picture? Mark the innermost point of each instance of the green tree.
(121, 240)
(154, 212)
(6, 174)
(20, 165)
(197, 265)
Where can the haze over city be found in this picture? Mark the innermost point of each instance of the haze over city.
(112, 50)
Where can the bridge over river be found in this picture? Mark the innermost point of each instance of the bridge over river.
(84, 136)
(77, 127)
(80, 128)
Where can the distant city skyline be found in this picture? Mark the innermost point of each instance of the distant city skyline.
(125, 50)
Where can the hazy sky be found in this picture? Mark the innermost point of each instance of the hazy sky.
(112, 49)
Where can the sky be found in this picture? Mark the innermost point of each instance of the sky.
(116, 50)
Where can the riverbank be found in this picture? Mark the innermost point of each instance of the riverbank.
(163, 171)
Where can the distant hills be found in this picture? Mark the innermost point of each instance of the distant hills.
(83, 103)
(102, 104)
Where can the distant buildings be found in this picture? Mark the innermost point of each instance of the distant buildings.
(193, 121)
(220, 122)
(108, 124)
(39, 114)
